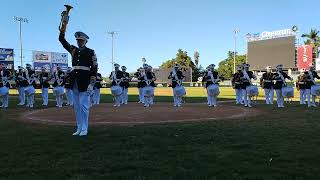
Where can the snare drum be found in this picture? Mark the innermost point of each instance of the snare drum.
(116, 90)
(213, 90)
(29, 90)
(58, 91)
(288, 92)
(252, 91)
(315, 90)
(179, 91)
(4, 91)
(148, 91)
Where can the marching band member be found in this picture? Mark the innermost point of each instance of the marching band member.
(139, 85)
(22, 83)
(203, 81)
(96, 90)
(280, 78)
(148, 86)
(68, 87)
(116, 77)
(301, 86)
(125, 85)
(30, 89)
(211, 78)
(237, 84)
(58, 86)
(4, 86)
(247, 76)
(266, 83)
(83, 76)
(176, 77)
(311, 75)
(44, 83)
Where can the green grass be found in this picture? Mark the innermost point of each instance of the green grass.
(230, 149)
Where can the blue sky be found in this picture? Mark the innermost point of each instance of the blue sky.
(152, 29)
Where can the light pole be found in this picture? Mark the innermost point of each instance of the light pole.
(143, 60)
(236, 31)
(112, 33)
(20, 20)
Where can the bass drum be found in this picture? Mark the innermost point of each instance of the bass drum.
(179, 91)
(148, 91)
(252, 91)
(315, 90)
(58, 91)
(4, 91)
(213, 90)
(116, 90)
(288, 92)
(29, 90)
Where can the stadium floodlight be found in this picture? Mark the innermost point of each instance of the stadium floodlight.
(236, 32)
(20, 20)
(112, 33)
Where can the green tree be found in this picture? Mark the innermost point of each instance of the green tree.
(196, 73)
(184, 61)
(225, 68)
(312, 38)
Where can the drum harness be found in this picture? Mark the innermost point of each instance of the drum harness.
(311, 76)
(282, 78)
(175, 78)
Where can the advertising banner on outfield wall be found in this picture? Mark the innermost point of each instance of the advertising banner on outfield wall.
(6, 57)
(49, 60)
(304, 57)
(318, 64)
(40, 59)
(59, 59)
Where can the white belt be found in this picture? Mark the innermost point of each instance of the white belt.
(267, 81)
(81, 68)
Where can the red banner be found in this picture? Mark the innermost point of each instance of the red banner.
(304, 57)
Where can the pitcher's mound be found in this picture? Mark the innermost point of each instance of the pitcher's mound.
(134, 113)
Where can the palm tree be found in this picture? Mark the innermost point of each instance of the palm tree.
(312, 38)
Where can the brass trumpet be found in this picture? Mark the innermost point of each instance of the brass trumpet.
(65, 18)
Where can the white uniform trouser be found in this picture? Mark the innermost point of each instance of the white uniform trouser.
(177, 100)
(59, 99)
(148, 100)
(44, 94)
(96, 96)
(269, 94)
(30, 100)
(124, 96)
(69, 96)
(22, 96)
(246, 99)
(239, 96)
(212, 100)
(303, 96)
(5, 101)
(280, 100)
(141, 97)
(81, 108)
(309, 96)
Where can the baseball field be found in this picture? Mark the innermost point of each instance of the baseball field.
(262, 143)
